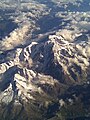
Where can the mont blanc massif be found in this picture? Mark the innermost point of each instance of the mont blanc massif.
(44, 59)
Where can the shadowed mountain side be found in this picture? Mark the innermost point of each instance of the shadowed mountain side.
(6, 27)
(7, 78)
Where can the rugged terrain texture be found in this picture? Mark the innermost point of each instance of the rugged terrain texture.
(40, 73)
(45, 60)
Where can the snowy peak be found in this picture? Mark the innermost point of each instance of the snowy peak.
(72, 56)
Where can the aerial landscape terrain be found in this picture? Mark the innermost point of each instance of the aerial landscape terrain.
(44, 59)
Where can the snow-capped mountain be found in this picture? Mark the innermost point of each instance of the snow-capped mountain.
(41, 71)
(44, 60)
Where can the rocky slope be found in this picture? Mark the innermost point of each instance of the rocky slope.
(37, 75)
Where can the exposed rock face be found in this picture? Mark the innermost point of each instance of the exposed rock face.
(41, 71)
(73, 58)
